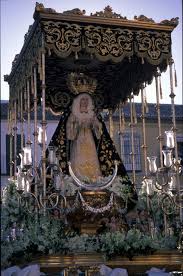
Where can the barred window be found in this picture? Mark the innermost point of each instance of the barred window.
(8, 151)
(126, 150)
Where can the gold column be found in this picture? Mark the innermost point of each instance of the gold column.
(144, 145)
(28, 114)
(43, 86)
(11, 140)
(34, 90)
(121, 126)
(15, 137)
(21, 119)
(172, 96)
(159, 138)
(132, 125)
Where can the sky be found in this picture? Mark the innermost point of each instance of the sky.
(17, 15)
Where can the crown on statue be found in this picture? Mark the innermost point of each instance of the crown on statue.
(80, 83)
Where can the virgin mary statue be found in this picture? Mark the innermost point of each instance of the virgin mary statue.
(82, 138)
(82, 123)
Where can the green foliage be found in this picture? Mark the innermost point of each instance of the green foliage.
(127, 244)
(43, 235)
(82, 243)
(155, 209)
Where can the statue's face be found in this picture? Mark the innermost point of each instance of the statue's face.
(84, 105)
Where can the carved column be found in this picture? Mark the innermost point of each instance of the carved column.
(159, 138)
(43, 86)
(144, 145)
(15, 137)
(11, 140)
(21, 119)
(28, 114)
(132, 125)
(174, 128)
(34, 87)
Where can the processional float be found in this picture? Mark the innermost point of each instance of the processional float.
(111, 59)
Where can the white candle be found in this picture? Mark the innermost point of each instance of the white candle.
(27, 155)
(170, 139)
(51, 156)
(167, 158)
(152, 164)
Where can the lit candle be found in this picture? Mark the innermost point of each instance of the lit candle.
(20, 183)
(27, 155)
(40, 135)
(152, 164)
(22, 160)
(170, 139)
(167, 158)
(52, 155)
(172, 183)
(149, 186)
(27, 186)
(40, 131)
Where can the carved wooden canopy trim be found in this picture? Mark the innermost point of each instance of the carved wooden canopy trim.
(106, 43)
(120, 53)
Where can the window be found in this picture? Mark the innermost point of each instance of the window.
(126, 149)
(8, 151)
(180, 149)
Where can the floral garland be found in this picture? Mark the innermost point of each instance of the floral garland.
(99, 185)
(97, 210)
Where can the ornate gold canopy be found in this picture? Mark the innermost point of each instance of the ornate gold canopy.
(120, 54)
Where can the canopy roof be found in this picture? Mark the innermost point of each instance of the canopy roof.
(120, 54)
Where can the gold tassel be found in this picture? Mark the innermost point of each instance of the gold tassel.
(134, 113)
(146, 109)
(160, 89)
(175, 76)
(146, 105)
(110, 123)
(49, 52)
(76, 55)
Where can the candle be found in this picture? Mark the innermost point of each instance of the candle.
(170, 139)
(57, 182)
(167, 158)
(149, 186)
(27, 155)
(152, 164)
(40, 135)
